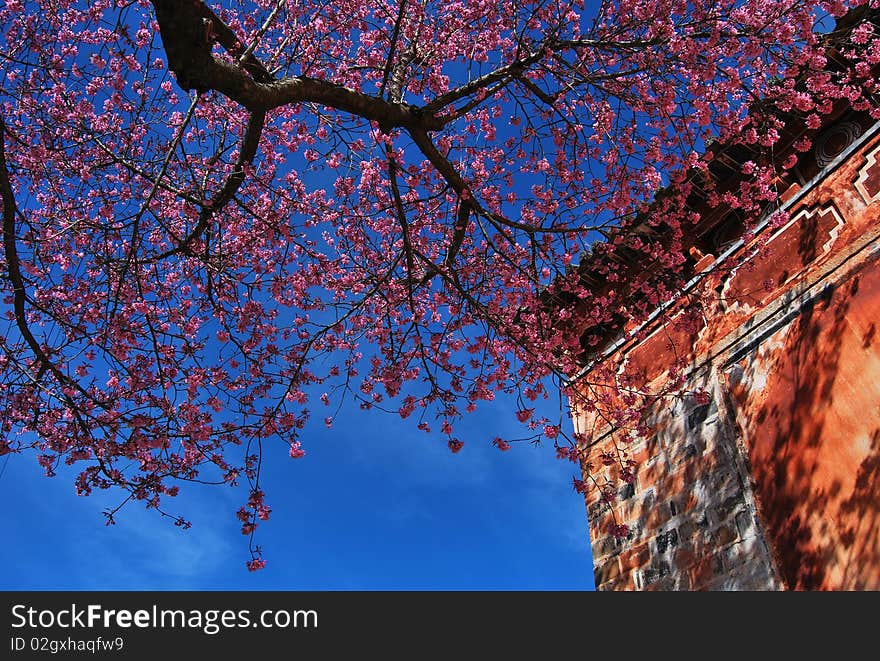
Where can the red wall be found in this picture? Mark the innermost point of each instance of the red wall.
(787, 344)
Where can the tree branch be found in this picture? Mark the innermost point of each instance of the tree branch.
(188, 47)
(392, 49)
(13, 265)
(249, 145)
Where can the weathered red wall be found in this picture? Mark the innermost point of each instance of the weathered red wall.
(809, 404)
(780, 485)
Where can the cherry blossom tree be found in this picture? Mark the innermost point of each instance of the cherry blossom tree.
(223, 217)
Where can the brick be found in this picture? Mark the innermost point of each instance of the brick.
(668, 439)
(655, 573)
(658, 516)
(656, 461)
(688, 530)
(672, 483)
(698, 415)
(738, 554)
(704, 522)
(701, 529)
(724, 535)
(706, 570)
(597, 508)
(683, 581)
(602, 524)
(651, 473)
(635, 558)
(684, 557)
(694, 528)
(691, 500)
(631, 509)
(686, 453)
(666, 541)
(642, 454)
(607, 571)
(666, 584)
(729, 506)
(604, 545)
(626, 581)
(790, 192)
(694, 471)
(638, 581)
(635, 532)
(724, 481)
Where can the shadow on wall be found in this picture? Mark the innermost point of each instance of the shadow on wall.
(690, 525)
(808, 400)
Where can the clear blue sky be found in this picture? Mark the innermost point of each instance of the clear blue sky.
(375, 504)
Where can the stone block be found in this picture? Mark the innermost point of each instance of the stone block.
(666, 541)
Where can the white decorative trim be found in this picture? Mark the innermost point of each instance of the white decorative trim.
(859, 185)
(787, 204)
(802, 215)
(832, 234)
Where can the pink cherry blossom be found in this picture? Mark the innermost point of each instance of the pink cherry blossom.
(216, 213)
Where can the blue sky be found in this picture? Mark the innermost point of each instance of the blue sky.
(375, 504)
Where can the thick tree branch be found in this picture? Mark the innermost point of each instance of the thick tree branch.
(10, 252)
(398, 75)
(187, 28)
(393, 48)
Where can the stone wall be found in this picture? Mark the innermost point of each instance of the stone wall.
(775, 482)
(690, 510)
